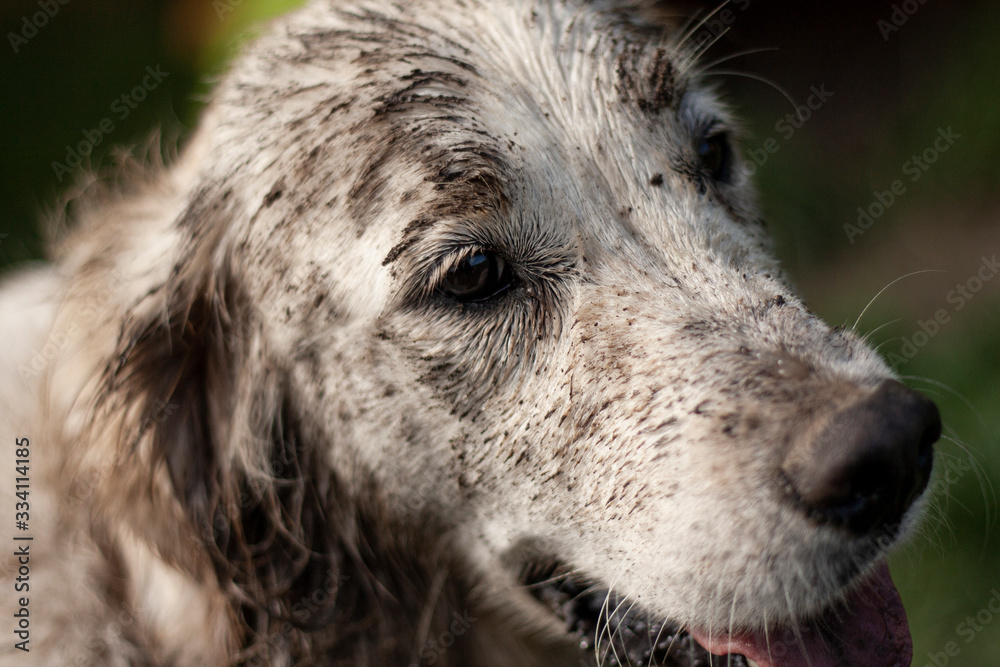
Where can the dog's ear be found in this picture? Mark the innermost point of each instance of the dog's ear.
(206, 439)
(173, 380)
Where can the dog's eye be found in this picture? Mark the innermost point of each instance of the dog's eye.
(715, 156)
(477, 277)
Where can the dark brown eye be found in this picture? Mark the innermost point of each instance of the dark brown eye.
(715, 156)
(477, 277)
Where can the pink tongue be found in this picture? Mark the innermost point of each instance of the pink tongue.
(869, 629)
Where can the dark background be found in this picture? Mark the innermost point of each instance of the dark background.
(892, 93)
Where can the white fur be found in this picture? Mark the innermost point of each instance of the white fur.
(586, 421)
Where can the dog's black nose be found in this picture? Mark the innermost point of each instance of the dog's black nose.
(868, 464)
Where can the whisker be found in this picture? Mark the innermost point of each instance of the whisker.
(767, 639)
(886, 342)
(867, 337)
(605, 611)
(733, 56)
(955, 393)
(732, 618)
(755, 77)
(795, 627)
(688, 33)
(554, 579)
(982, 477)
(656, 641)
(914, 273)
(616, 630)
(696, 56)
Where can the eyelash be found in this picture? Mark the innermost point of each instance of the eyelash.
(478, 275)
(715, 152)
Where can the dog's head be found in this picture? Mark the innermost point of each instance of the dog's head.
(498, 267)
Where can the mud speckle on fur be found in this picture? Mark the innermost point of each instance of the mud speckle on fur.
(275, 193)
(648, 80)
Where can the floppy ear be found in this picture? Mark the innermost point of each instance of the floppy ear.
(210, 457)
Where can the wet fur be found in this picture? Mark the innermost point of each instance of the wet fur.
(261, 435)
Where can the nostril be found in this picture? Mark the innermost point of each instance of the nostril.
(869, 463)
(852, 492)
(868, 482)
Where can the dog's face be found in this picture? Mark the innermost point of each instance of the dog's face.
(508, 256)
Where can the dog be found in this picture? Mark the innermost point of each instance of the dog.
(452, 337)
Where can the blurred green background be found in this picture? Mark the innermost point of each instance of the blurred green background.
(901, 74)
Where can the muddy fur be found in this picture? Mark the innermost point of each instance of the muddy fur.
(262, 433)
